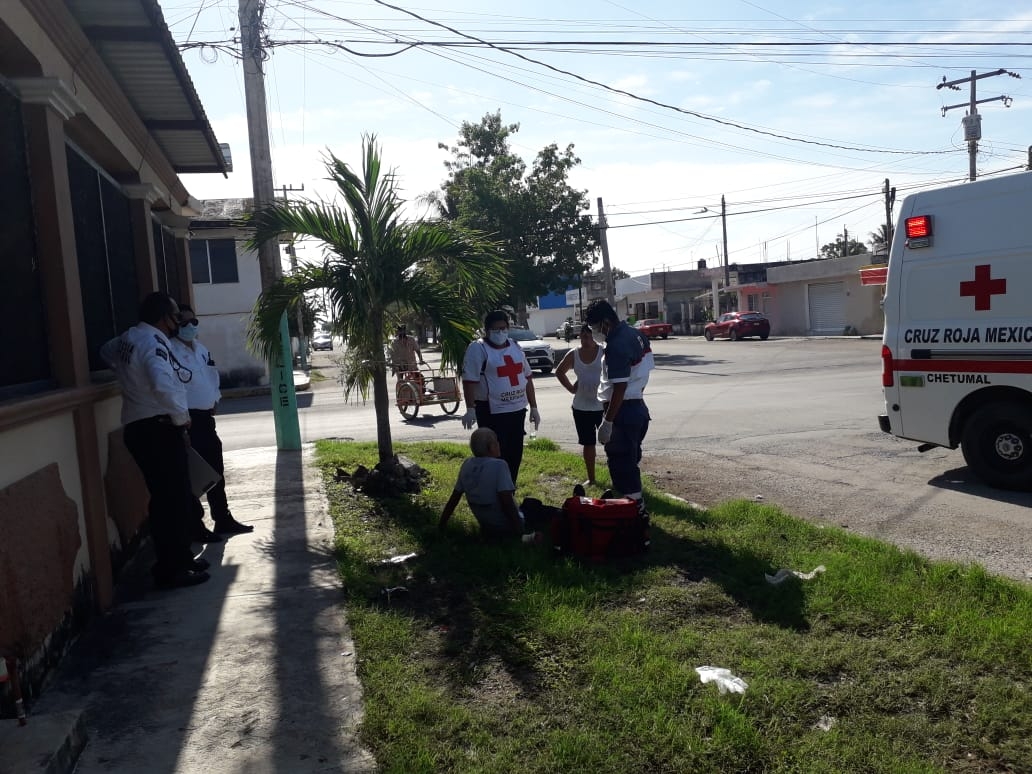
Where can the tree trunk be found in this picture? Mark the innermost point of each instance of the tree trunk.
(381, 397)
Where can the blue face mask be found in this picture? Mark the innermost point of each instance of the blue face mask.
(498, 338)
(187, 332)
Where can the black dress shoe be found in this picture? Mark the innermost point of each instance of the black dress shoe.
(204, 535)
(607, 495)
(230, 526)
(181, 579)
(578, 490)
(199, 565)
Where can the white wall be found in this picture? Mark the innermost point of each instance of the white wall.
(224, 310)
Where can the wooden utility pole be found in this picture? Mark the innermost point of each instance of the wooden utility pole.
(281, 368)
(302, 340)
(723, 223)
(890, 200)
(972, 122)
(607, 272)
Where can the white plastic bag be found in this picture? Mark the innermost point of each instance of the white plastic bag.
(726, 682)
(783, 573)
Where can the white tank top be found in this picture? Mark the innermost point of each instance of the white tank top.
(588, 377)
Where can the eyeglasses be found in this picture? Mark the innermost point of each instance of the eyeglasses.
(191, 321)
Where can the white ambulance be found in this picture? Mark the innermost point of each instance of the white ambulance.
(957, 349)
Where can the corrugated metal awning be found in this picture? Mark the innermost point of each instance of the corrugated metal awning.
(134, 41)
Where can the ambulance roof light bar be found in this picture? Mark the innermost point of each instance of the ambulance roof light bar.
(919, 231)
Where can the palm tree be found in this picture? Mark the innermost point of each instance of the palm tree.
(376, 268)
(880, 239)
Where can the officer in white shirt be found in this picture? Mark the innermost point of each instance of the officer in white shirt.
(203, 395)
(156, 432)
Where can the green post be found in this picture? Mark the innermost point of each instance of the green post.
(284, 400)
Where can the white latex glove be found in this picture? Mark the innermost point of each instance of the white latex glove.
(605, 431)
(469, 419)
(535, 417)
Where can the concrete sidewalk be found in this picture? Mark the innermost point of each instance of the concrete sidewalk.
(253, 671)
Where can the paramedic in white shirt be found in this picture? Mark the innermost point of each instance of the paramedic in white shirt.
(497, 387)
(156, 420)
(203, 395)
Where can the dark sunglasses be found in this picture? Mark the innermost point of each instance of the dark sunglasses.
(191, 321)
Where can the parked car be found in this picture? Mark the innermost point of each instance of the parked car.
(570, 329)
(539, 354)
(738, 325)
(322, 340)
(654, 329)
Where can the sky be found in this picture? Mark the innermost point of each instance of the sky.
(794, 112)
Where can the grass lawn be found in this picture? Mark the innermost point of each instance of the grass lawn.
(481, 657)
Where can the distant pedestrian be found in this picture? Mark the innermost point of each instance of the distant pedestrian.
(156, 423)
(498, 387)
(404, 352)
(203, 396)
(626, 364)
(586, 363)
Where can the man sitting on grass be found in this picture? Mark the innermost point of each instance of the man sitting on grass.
(485, 480)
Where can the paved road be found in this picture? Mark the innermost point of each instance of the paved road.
(790, 420)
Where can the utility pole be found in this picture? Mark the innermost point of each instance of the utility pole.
(302, 340)
(890, 201)
(972, 122)
(281, 367)
(723, 223)
(845, 241)
(607, 272)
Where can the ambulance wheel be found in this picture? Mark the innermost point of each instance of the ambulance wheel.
(733, 335)
(997, 445)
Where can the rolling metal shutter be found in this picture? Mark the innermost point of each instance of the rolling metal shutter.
(827, 302)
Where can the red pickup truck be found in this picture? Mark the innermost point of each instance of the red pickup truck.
(654, 329)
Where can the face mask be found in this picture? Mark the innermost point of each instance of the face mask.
(498, 338)
(187, 332)
(598, 335)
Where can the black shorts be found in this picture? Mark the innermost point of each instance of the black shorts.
(586, 423)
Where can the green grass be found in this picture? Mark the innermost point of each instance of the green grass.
(503, 658)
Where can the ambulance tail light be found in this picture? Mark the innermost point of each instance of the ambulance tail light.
(919, 231)
(887, 379)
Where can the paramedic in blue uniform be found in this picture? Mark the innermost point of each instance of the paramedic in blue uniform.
(156, 433)
(626, 364)
(203, 395)
(498, 388)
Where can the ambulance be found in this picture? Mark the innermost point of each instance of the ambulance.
(957, 348)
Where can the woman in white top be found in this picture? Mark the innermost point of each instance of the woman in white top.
(586, 362)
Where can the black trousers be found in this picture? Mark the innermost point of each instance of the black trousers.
(509, 429)
(207, 443)
(160, 452)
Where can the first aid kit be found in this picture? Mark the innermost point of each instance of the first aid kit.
(600, 530)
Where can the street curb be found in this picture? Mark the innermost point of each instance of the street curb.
(49, 744)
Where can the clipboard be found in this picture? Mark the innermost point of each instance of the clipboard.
(202, 475)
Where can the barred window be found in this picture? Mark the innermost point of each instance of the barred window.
(24, 348)
(104, 245)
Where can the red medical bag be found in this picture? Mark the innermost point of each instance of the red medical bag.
(600, 529)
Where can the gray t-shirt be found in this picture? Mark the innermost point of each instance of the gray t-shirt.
(481, 479)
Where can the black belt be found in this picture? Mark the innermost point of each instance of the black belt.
(605, 404)
(159, 419)
(206, 412)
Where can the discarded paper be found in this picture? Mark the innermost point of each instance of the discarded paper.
(726, 682)
(783, 573)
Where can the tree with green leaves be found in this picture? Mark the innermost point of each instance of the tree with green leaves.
(839, 247)
(880, 239)
(376, 269)
(539, 221)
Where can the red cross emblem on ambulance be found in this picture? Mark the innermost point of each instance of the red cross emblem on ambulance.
(983, 288)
